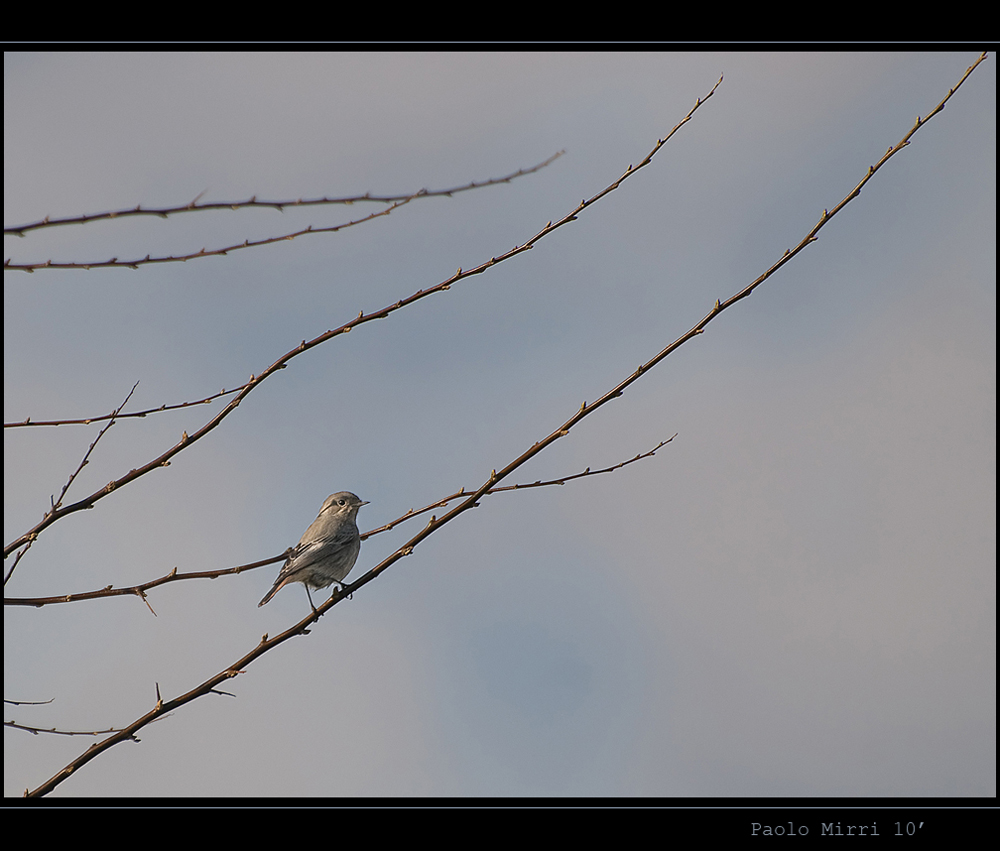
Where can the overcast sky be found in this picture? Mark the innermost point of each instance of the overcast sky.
(797, 596)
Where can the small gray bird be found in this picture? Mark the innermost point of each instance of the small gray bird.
(328, 549)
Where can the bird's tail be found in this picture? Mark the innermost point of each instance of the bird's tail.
(271, 593)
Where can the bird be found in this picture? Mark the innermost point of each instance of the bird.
(327, 550)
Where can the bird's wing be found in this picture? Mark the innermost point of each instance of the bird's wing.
(307, 554)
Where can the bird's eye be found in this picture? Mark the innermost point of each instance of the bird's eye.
(342, 501)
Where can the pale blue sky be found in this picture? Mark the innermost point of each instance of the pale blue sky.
(795, 597)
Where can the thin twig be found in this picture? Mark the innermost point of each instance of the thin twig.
(17, 558)
(53, 730)
(118, 415)
(115, 263)
(86, 457)
(254, 202)
(148, 260)
(139, 590)
(56, 503)
(392, 524)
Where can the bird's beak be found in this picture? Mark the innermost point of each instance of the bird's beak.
(366, 502)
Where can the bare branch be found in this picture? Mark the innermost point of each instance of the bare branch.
(254, 202)
(829, 214)
(140, 590)
(56, 503)
(86, 457)
(37, 730)
(187, 440)
(120, 416)
(463, 492)
(17, 558)
(115, 263)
